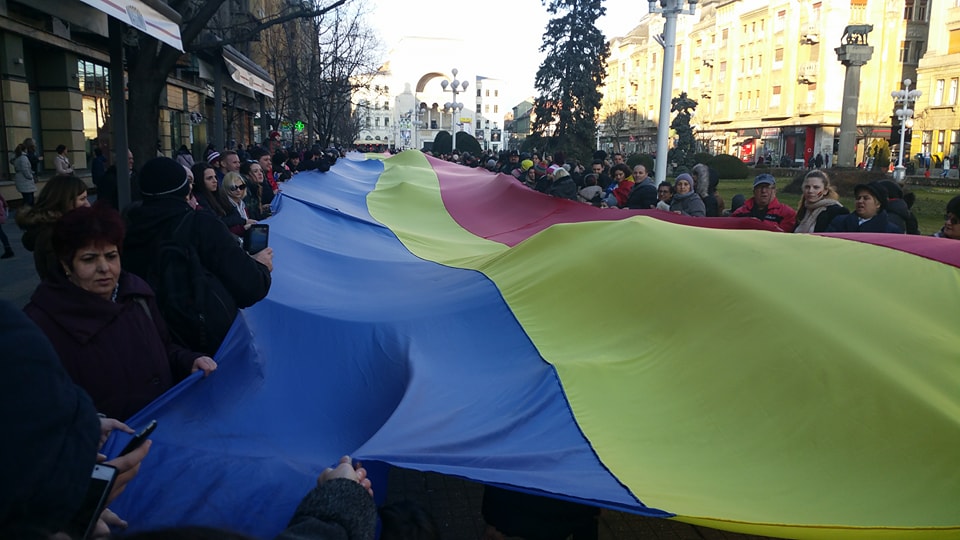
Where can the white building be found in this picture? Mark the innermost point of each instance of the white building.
(410, 106)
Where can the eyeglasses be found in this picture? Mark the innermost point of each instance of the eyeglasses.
(951, 218)
(238, 187)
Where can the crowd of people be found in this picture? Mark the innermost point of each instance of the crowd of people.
(880, 206)
(109, 329)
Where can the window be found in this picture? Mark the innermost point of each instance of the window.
(816, 12)
(376, 121)
(954, 42)
(920, 12)
(940, 141)
(486, 108)
(954, 145)
(759, 62)
(479, 108)
(781, 21)
(386, 105)
(908, 10)
(778, 58)
(386, 122)
(721, 100)
(94, 78)
(723, 71)
(775, 97)
(953, 91)
(904, 50)
(496, 93)
(679, 51)
(496, 109)
(724, 34)
(741, 64)
(938, 93)
(478, 93)
(488, 93)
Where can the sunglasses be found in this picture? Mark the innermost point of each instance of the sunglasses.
(238, 187)
(951, 218)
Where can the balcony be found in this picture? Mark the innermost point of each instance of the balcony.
(810, 33)
(709, 57)
(808, 72)
(804, 109)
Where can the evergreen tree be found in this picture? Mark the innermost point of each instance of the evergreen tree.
(686, 146)
(569, 79)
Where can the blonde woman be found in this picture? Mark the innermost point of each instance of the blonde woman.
(819, 204)
(232, 193)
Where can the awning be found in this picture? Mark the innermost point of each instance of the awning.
(248, 78)
(136, 13)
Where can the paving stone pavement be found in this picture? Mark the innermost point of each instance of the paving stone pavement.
(455, 506)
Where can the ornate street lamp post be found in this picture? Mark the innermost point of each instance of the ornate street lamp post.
(669, 9)
(455, 87)
(903, 99)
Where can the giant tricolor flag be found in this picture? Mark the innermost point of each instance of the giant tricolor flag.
(441, 318)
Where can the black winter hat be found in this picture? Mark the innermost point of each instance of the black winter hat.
(893, 190)
(876, 189)
(164, 177)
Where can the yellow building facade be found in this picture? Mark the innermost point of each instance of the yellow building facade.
(936, 129)
(766, 77)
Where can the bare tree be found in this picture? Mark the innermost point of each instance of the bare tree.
(345, 64)
(318, 65)
(616, 123)
(150, 61)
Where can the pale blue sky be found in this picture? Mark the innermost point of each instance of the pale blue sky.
(502, 36)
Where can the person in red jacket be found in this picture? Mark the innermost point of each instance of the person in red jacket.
(765, 206)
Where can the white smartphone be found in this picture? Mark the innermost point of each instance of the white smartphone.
(85, 520)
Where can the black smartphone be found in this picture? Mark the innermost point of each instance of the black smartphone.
(256, 238)
(85, 519)
(139, 438)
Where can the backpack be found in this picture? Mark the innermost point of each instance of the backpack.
(197, 308)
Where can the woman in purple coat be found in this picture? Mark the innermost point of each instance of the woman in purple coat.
(103, 322)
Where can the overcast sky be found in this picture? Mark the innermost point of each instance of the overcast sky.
(503, 35)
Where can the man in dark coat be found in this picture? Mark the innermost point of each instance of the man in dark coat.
(643, 194)
(869, 213)
(244, 278)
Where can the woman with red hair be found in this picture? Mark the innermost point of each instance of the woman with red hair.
(103, 322)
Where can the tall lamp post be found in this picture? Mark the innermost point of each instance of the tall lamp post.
(903, 99)
(455, 87)
(669, 9)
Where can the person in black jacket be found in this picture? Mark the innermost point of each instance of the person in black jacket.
(869, 214)
(643, 194)
(898, 210)
(561, 185)
(164, 184)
